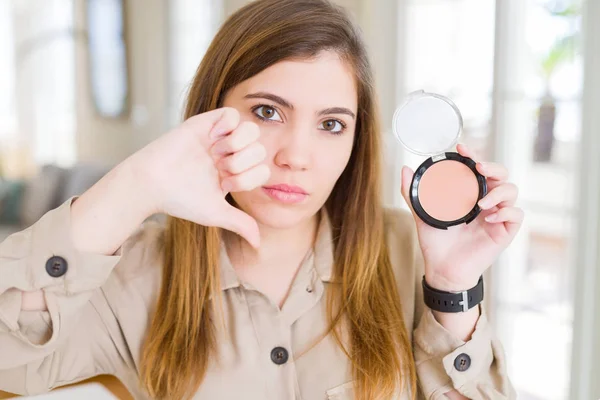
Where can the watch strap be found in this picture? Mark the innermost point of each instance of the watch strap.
(453, 302)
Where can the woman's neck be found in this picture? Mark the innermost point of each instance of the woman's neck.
(277, 246)
(272, 267)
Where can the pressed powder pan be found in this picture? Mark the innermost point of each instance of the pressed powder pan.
(446, 187)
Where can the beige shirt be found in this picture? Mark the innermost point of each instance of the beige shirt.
(99, 311)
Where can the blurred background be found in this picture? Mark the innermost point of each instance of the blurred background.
(83, 84)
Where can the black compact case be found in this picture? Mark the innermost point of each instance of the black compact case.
(429, 124)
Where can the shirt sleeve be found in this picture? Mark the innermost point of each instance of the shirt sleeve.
(476, 369)
(41, 350)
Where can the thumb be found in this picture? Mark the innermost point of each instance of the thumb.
(407, 176)
(215, 124)
(235, 220)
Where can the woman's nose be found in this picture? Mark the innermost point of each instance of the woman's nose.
(295, 150)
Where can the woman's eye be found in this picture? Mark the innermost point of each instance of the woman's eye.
(268, 113)
(333, 126)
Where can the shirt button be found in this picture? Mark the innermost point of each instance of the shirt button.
(462, 362)
(56, 266)
(279, 355)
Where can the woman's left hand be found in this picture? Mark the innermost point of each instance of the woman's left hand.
(457, 257)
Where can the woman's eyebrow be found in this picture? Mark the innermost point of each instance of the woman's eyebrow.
(337, 110)
(270, 96)
(281, 101)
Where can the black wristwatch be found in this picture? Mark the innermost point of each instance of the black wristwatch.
(452, 302)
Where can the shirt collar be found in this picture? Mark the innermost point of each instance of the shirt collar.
(323, 256)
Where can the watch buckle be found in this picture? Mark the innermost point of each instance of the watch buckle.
(465, 301)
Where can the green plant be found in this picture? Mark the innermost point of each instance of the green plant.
(565, 48)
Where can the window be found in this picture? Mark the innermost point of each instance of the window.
(538, 110)
(37, 57)
(514, 68)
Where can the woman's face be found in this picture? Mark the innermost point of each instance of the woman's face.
(306, 111)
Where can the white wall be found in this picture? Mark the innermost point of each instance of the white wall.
(111, 140)
(382, 24)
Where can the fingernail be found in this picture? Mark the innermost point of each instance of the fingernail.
(218, 151)
(226, 186)
(491, 217)
(217, 131)
(483, 203)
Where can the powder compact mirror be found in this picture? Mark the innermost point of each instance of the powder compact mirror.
(446, 187)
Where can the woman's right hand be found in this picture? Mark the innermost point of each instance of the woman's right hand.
(188, 171)
(183, 174)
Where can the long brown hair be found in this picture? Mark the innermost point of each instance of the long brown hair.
(182, 335)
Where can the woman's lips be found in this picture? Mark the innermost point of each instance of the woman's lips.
(286, 193)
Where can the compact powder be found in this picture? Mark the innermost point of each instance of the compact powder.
(448, 190)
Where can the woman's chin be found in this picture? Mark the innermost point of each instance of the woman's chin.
(278, 217)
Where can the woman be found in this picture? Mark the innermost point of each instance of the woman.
(279, 274)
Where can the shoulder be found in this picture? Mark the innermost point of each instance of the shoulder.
(405, 257)
(137, 275)
(142, 252)
(401, 234)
